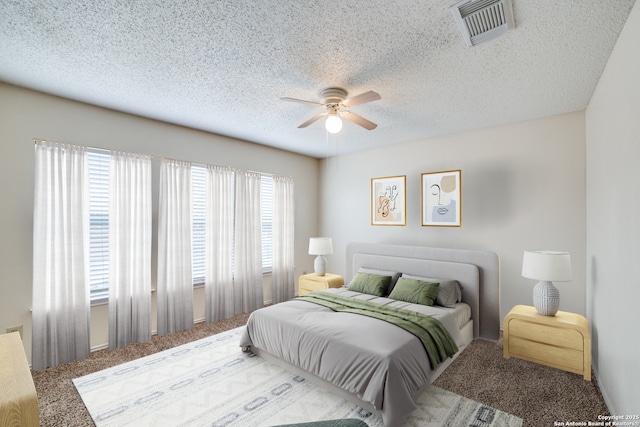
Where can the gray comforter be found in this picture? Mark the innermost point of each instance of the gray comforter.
(376, 361)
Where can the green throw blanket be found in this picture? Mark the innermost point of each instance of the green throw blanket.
(435, 338)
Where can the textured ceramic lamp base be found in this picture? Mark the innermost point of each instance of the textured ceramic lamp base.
(320, 265)
(546, 298)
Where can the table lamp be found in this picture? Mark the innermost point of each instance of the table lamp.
(320, 246)
(546, 266)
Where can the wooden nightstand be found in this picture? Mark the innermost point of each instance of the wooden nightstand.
(562, 341)
(18, 398)
(311, 282)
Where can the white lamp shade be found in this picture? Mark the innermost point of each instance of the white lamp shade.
(551, 266)
(320, 246)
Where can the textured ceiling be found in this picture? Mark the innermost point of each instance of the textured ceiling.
(221, 66)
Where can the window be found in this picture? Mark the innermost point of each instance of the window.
(198, 183)
(266, 205)
(198, 177)
(98, 224)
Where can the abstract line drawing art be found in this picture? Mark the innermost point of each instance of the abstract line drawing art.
(442, 198)
(388, 200)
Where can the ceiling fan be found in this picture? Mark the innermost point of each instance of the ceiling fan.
(336, 105)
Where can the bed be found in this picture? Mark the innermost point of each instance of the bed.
(371, 362)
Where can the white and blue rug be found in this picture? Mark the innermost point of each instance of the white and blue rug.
(210, 382)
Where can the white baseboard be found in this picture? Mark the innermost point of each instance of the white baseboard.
(153, 332)
(605, 396)
(99, 347)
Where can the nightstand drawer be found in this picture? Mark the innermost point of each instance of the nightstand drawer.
(311, 282)
(560, 337)
(558, 357)
(312, 285)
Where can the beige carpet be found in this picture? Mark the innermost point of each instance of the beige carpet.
(537, 394)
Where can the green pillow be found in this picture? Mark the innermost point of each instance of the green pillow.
(415, 291)
(372, 284)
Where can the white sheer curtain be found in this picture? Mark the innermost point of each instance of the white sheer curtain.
(218, 282)
(129, 249)
(282, 281)
(248, 243)
(61, 305)
(175, 283)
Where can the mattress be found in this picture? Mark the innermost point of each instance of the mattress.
(376, 361)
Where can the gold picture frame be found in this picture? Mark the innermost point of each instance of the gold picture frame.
(441, 198)
(389, 200)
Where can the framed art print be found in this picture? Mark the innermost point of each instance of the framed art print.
(442, 198)
(388, 200)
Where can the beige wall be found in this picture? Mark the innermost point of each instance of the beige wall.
(523, 187)
(613, 228)
(25, 115)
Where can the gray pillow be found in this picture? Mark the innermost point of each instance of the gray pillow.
(415, 291)
(394, 275)
(372, 284)
(449, 292)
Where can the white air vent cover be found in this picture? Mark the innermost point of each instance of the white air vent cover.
(483, 20)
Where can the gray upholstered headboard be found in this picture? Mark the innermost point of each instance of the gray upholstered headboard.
(477, 271)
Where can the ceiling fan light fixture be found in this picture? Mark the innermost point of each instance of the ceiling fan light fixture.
(333, 123)
(336, 106)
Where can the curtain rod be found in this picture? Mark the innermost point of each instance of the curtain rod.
(162, 158)
(35, 140)
(219, 166)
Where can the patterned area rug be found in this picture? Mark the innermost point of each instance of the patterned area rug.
(210, 382)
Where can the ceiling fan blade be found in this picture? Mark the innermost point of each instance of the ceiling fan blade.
(312, 119)
(359, 120)
(363, 98)
(302, 101)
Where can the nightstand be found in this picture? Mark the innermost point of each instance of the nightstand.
(562, 341)
(312, 282)
(18, 398)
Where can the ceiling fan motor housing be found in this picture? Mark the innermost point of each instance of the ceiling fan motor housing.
(333, 95)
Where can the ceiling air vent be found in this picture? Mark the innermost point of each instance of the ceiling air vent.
(483, 20)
